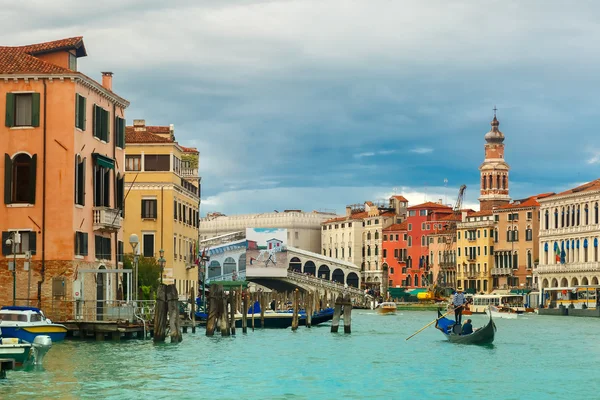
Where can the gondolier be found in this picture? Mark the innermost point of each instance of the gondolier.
(458, 301)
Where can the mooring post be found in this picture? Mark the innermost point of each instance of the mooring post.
(253, 300)
(245, 312)
(160, 314)
(232, 309)
(308, 307)
(296, 307)
(211, 322)
(193, 300)
(223, 315)
(6, 364)
(174, 320)
(261, 301)
(347, 314)
(335, 323)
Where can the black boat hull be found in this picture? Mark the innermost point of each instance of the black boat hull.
(482, 336)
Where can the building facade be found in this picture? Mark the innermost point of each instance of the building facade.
(63, 168)
(568, 240)
(516, 243)
(475, 252)
(493, 171)
(395, 253)
(304, 228)
(163, 200)
(442, 257)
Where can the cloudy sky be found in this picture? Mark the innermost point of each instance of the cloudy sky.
(318, 104)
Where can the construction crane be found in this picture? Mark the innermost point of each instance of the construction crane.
(448, 260)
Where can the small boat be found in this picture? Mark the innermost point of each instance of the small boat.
(451, 331)
(387, 307)
(26, 323)
(502, 312)
(25, 353)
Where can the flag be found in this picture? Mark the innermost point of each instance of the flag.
(557, 249)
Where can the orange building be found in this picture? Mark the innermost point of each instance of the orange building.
(63, 168)
(395, 253)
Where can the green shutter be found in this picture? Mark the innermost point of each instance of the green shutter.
(82, 187)
(82, 113)
(76, 240)
(10, 110)
(97, 122)
(76, 181)
(32, 176)
(7, 178)
(122, 133)
(107, 127)
(84, 245)
(32, 242)
(77, 110)
(35, 109)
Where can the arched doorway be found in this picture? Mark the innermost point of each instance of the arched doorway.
(310, 268)
(584, 281)
(228, 266)
(564, 282)
(352, 279)
(554, 282)
(594, 281)
(100, 293)
(574, 282)
(295, 265)
(324, 272)
(242, 263)
(338, 276)
(544, 283)
(214, 269)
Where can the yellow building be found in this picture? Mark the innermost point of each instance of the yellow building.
(475, 252)
(162, 189)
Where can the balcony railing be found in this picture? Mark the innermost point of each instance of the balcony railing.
(568, 230)
(565, 268)
(189, 172)
(107, 219)
(502, 271)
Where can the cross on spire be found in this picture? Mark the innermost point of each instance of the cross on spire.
(495, 109)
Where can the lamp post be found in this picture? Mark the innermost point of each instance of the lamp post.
(161, 262)
(134, 241)
(16, 239)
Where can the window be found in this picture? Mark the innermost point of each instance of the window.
(19, 179)
(529, 215)
(22, 109)
(529, 235)
(422, 226)
(120, 251)
(149, 209)
(80, 111)
(133, 163)
(458, 234)
(81, 244)
(296, 235)
(385, 237)
(72, 62)
(175, 210)
(80, 181)
(27, 239)
(101, 123)
(102, 248)
(156, 162)
(422, 213)
(120, 189)
(412, 213)
(410, 227)
(120, 132)
(101, 186)
(349, 224)
(148, 244)
(384, 253)
(376, 222)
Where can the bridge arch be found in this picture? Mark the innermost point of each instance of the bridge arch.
(310, 268)
(214, 269)
(338, 276)
(295, 264)
(229, 266)
(242, 262)
(324, 272)
(352, 279)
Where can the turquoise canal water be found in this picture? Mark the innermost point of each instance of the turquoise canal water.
(534, 357)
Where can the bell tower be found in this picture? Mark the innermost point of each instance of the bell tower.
(494, 170)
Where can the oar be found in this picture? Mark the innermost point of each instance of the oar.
(435, 320)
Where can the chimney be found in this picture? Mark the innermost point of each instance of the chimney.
(139, 124)
(348, 211)
(172, 131)
(107, 80)
(440, 201)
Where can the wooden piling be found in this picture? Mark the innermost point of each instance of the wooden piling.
(335, 322)
(296, 308)
(253, 300)
(223, 316)
(308, 307)
(216, 292)
(232, 310)
(160, 314)
(174, 321)
(193, 300)
(6, 364)
(261, 301)
(245, 312)
(347, 314)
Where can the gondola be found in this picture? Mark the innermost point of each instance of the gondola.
(451, 331)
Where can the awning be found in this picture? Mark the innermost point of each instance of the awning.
(230, 284)
(103, 161)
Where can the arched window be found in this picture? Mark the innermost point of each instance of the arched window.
(368, 250)
(556, 218)
(376, 235)
(585, 250)
(545, 253)
(498, 182)
(19, 183)
(368, 235)
(547, 220)
(562, 218)
(483, 182)
(490, 181)
(504, 182)
(363, 251)
(596, 249)
(416, 280)
(596, 213)
(376, 250)
(408, 281)
(578, 221)
(529, 265)
(568, 213)
(587, 212)
(573, 216)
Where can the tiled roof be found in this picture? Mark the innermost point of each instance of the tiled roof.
(587, 187)
(396, 227)
(429, 204)
(481, 213)
(401, 198)
(21, 60)
(46, 47)
(158, 129)
(528, 202)
(132, 136)
(191, 150)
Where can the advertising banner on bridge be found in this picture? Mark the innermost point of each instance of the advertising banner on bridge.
(266, 252)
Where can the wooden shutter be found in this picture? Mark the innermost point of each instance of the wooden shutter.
(84, 244)
(82, 187)
(122, 129)
(77, 241)
(143, 207)
(82, 113)
(107, 126)
(10, 110)
(7, 179)
(77, 110)
(32, 242)
(35, 109)
(76, 181)
(32, 176)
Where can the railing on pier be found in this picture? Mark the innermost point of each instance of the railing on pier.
(323, 283)
(96, 311)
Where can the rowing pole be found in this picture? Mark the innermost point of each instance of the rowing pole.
(435, 320)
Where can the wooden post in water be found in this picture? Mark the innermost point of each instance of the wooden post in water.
(216, 291)
(308, 307)
(245, 312)
(347, 314)
(160, 314)
(337, 311)
(253, 299)
(232, 306)
(296, 308)
(174, 322)
(261, 302)
(193, 299)
(223, 316)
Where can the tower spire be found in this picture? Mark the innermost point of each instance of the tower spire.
(494, 170)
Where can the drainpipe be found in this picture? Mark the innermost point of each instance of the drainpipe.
(115, 190)
(43, 270)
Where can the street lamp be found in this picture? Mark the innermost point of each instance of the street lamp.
(16, 239)
(134, 241)
(161, 262)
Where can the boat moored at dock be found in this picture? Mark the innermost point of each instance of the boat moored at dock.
(26, 323)
(387, 307)
(23, 352)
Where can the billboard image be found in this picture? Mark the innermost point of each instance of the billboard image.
(266, 252)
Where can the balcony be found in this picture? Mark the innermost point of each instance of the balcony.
(567, 268)
(107, 219)
(568, 230)
(502, 271)
(189, 172)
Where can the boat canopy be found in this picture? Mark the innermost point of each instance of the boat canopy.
(230, 284)
(21, 308)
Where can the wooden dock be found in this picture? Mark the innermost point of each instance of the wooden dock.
(113, 330)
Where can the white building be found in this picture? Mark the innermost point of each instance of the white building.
(570, 223)
(304, 228)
